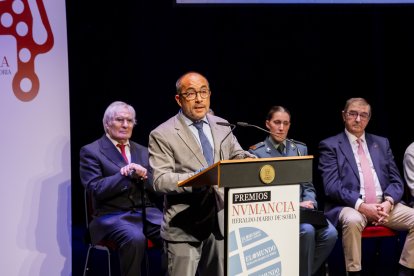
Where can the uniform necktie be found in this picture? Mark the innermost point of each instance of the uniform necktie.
(369, 185)
(281, 148)
(205, 144)
(122, 147)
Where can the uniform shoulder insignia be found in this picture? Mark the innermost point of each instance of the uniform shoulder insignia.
(299, 142)
(256, 146)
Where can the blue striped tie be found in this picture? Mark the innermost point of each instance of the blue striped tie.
(205, 144)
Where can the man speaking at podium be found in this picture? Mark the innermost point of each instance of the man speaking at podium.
(179, 148)
(316, 241)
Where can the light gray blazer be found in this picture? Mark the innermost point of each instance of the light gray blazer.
(189, 215)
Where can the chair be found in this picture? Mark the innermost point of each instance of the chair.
(104, 245)
(371, 235)
(379, 234)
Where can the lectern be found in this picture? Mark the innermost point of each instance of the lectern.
(261, 212)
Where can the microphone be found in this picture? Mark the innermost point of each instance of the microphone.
(225, 124)
(232, 127)
(244, 124)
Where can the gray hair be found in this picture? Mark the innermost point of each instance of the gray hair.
(112, 109)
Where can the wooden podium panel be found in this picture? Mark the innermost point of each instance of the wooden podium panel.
(245, 172)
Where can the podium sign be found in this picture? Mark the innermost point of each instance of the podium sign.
(261, 212)
(263, 230)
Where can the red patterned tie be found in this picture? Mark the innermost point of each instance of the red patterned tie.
(370, 195)
(122, 147)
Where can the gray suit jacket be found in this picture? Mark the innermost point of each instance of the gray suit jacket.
(190, 215)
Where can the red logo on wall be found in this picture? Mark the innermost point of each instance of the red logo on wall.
(29, 25)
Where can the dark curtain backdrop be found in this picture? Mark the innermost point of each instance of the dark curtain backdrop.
(308, 58)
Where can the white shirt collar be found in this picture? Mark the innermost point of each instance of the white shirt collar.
(116, 142)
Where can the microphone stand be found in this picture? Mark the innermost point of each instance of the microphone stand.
(232, 127)
(244, 124)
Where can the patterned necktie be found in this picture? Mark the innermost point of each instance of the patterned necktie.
(122, 147)
(369, 185)
(205, 144)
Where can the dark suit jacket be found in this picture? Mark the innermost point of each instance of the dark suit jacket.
(114, 195)
(340, 176)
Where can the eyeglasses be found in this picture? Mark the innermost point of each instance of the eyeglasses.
(354, 115)
(121, 120)
(191, 94)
